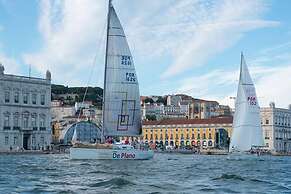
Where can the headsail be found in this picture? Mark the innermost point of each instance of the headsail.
(121, 109)
(247, 130)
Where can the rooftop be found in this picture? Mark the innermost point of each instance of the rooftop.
(216, 120)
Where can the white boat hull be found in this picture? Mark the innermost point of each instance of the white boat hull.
(109, 154)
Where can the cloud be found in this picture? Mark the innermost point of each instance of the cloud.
(276, 87)
(215, 30)
(272, 81)
(186, 32)
(11, 65)
(70, 30)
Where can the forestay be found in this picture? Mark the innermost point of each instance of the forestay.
(121, 111)
(247, 131)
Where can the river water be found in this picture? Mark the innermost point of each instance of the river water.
(166, 173)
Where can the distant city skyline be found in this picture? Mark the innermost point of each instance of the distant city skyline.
(190, 47)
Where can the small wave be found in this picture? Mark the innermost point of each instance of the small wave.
(37, 190)
(98, 172)
(59, 183)
(279, 186)
(104, 172)
(226, 190)
(229, 177)
(50, 169)
(260, 181)
(207, 190)
(120, 182)
(85, 164)
(172, 159)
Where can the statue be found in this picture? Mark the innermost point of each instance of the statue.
(1, 69)
(48, 75)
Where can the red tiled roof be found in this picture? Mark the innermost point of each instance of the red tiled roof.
(216, 120)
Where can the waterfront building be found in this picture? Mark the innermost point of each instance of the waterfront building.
(184, 108)
(203, 109)
(223, 110)
(25, 116)
(56, 103)
(59, 112)
(156, 109)
(66, 98)
(204, 133)
(276, 124)
(173, 100)
(83, 105)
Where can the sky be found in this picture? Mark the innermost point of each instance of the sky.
(186, 46)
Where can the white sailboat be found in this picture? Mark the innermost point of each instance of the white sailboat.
(247, 130)
(121, 100)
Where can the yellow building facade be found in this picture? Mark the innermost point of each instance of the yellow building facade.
(205, 133)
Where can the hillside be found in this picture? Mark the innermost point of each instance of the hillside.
(94, 94)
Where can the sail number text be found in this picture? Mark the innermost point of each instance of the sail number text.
(125, 60)
(252, 100)
(130, 77)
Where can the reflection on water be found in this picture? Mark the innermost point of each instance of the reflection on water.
(166, 173)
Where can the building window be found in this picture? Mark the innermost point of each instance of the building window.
(42, 99)
(204, 136)
(16, 97)
(193, 136)
(33, 98)
(42, 140)
(16, 122)
(146, 136)
(7, 96)
(33, 122)
(15, 140)
(25, 98)
(210, 136)
(33, 140)
(267, 121)
(42, 123)
(6, 122)
(6, 140)
(198, 136)
(25, 121)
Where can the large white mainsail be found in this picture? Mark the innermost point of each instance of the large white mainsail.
(247, 130)
(121, 108)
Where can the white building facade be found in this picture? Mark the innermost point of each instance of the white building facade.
(276, 124)
(25, 118)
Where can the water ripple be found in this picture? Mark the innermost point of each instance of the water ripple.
(166, 173)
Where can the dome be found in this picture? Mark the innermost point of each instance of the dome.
(86, 132)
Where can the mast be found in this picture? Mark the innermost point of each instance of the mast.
(241, 61)
(105, 69)
(241, 64)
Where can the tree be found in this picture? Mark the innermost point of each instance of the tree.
(151, 117)
(162, 100)
(149, 100)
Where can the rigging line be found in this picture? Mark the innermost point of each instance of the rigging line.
(93, 69)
